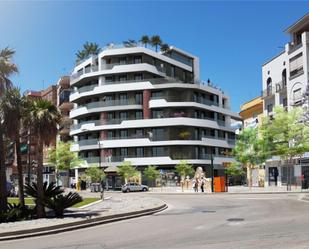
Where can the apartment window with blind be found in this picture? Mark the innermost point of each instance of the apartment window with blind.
(296, 65)
(297, 96)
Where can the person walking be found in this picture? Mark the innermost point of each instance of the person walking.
(196, 185)
(202, 185)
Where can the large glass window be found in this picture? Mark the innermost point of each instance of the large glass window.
(122, 60)
(157, 151)
(124, 152)
(138, 115)
(139, 152)
(137, 59)
(139, 98)
(123, 115)
(123, 133)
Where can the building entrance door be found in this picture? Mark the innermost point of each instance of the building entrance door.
(273, 176)
(305, 177)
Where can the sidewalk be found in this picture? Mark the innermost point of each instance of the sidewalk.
(232, 190)
(112, 209)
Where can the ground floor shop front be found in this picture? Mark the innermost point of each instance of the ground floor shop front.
(296, 174)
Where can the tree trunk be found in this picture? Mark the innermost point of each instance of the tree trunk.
(19, 169)
(249, 176)
(3, 191)
(40, 207)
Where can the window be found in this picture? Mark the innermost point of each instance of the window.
(156, 94)
(138, 98)
(172, 71)
(110, 115)
(284, 78)
(296, 65)
(123, 115)
(285, 102)
(297, 94)
(269, 108)
(124, 152)
(157, 114)
(158, 134)
(110, 134)
(137, 59)
(157, 151)
(139, 151)
(122, 78)
(122, 60)
(139, 133)
(138, 77)
(123, 98)
(123, 133)
(138, 115)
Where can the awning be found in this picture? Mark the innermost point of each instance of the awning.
(111, 169)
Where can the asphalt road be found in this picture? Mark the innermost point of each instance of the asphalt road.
(196, 222)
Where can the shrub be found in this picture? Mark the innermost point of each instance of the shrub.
(60, 202)
(15, 212)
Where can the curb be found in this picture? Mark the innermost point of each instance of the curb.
(225, 193)
(78, 224)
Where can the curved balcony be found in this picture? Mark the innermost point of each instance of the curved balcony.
(116, 68)
(110, 105)
(97, 125)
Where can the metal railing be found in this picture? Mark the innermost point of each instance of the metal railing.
(85, 142)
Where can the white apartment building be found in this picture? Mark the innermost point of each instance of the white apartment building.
(285, 80)
(150, 108)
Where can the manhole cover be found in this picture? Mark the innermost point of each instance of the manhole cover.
(235, 219)
(208, 211)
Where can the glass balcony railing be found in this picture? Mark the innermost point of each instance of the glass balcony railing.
(79, 125)
(108, 103)
(88, 142)
(86, 88)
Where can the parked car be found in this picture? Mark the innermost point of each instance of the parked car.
(134, 187)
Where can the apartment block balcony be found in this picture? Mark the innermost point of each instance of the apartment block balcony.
(268, 92)
(293, 47)
(281, 87)
(94, 68)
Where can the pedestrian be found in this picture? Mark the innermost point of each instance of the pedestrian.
(196, 185)
(202, 185)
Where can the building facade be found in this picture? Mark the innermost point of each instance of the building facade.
(252, 113)
(285, 80)
(150, 108)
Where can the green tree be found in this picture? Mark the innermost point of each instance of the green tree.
(7, 69)
(184, 169)
(13, 106)
(63, 158)
(235, 169)
(151, 173)
(145, 40)
(89, 48)
(250, 150)
(127, 171)
(287, 135)
(44, 118)
(95, 174)
(156, 41)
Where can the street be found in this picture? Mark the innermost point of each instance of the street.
(196, 221)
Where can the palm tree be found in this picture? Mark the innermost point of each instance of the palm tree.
(13, 105)
(145, 40)
(155, 41)
(165, 48)
(89, 48)
(7, 68)
(44, 118)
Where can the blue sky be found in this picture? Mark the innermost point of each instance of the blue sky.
(233, 38)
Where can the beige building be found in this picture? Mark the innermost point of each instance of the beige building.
(252, 113)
